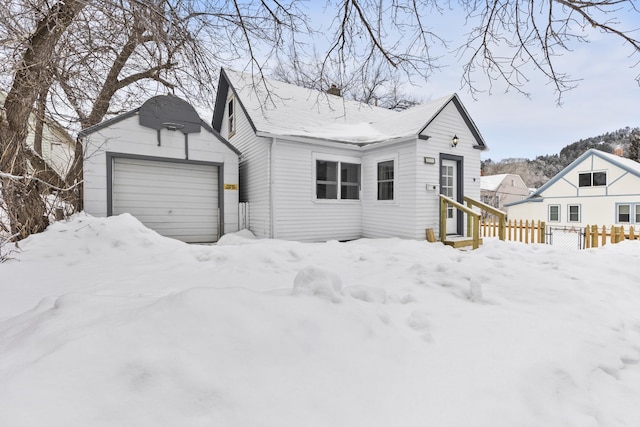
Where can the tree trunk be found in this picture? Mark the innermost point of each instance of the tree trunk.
(22, 195)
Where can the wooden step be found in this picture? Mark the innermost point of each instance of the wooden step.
(459, 241)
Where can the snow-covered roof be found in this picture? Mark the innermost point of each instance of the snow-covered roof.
(491, 182)
(279, 108)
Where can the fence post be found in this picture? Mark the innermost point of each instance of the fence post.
(443, 220)
(631, 233)
(543, 232)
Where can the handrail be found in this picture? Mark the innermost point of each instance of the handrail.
(475, 217)
(502, 217)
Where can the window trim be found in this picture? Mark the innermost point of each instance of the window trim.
(231, 116)
(322, 157)
(591, 178)
(393, 180)
(579, 206)
(559, 213)
(630, 213)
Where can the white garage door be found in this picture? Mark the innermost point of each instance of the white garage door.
(178, 200)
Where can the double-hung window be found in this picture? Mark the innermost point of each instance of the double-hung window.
(337, 180)
(574, 213)
(623, 213)
(385, 180)
(554, 213)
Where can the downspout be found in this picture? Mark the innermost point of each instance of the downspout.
(272, 192)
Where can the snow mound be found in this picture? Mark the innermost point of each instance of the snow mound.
(241, 237)
(318, 282)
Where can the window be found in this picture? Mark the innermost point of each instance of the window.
(385, 180)
(332, 186)
(349, 181)
(595, 179)
(232, 117)
(637, 210)
(574, 213)
(554, 213)
(599, 179)
(624, 213)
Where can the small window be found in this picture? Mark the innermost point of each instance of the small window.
(554, 213)
(599, 179)
(596, 179)
(584, 180)
(574, 213)
(385, 180)
(232, 117)
(331, 185)
(624, 213)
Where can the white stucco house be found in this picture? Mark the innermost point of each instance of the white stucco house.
(167, 167)
(318, 167)
(597, 188)
(502, 189)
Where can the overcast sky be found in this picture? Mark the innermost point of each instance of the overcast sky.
(607, 99)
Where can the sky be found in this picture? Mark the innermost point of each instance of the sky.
(515, 126)
(105, 323)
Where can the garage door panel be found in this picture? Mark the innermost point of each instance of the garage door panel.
(178, 200)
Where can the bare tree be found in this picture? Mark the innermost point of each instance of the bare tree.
(377, 84)
(80, 61)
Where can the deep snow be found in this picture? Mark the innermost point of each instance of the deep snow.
(105, 323)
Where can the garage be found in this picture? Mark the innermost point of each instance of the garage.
(167, 167)
(176, 199)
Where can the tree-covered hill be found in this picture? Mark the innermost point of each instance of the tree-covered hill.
(538, 171)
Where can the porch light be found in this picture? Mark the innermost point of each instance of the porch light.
(454, 140)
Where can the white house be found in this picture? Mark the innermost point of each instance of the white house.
(597, 188)
(167, 167)
(58, 147)
(502, 189)
(316, 167)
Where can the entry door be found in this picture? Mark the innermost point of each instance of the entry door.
(449, 188)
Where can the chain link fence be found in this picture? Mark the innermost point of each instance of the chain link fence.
(566, 237)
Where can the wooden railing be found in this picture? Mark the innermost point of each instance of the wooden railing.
(516, 231)
(473, 220)
(501, 216)
(595, 236)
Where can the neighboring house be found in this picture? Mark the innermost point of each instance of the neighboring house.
(167, 167)
(58, 147)
(596, 189)
(500, 190)
(317, 167)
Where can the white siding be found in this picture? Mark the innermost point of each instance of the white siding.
(298, 215)
(127, 136)
(385, 218)
(440, 132)
(254, 171)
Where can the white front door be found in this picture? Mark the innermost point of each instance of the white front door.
(449, 188)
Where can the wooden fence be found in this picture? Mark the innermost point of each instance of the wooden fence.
(535, 232)
(595, 236)
(516, 231)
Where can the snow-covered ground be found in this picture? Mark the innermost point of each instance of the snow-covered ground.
(105, 323)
